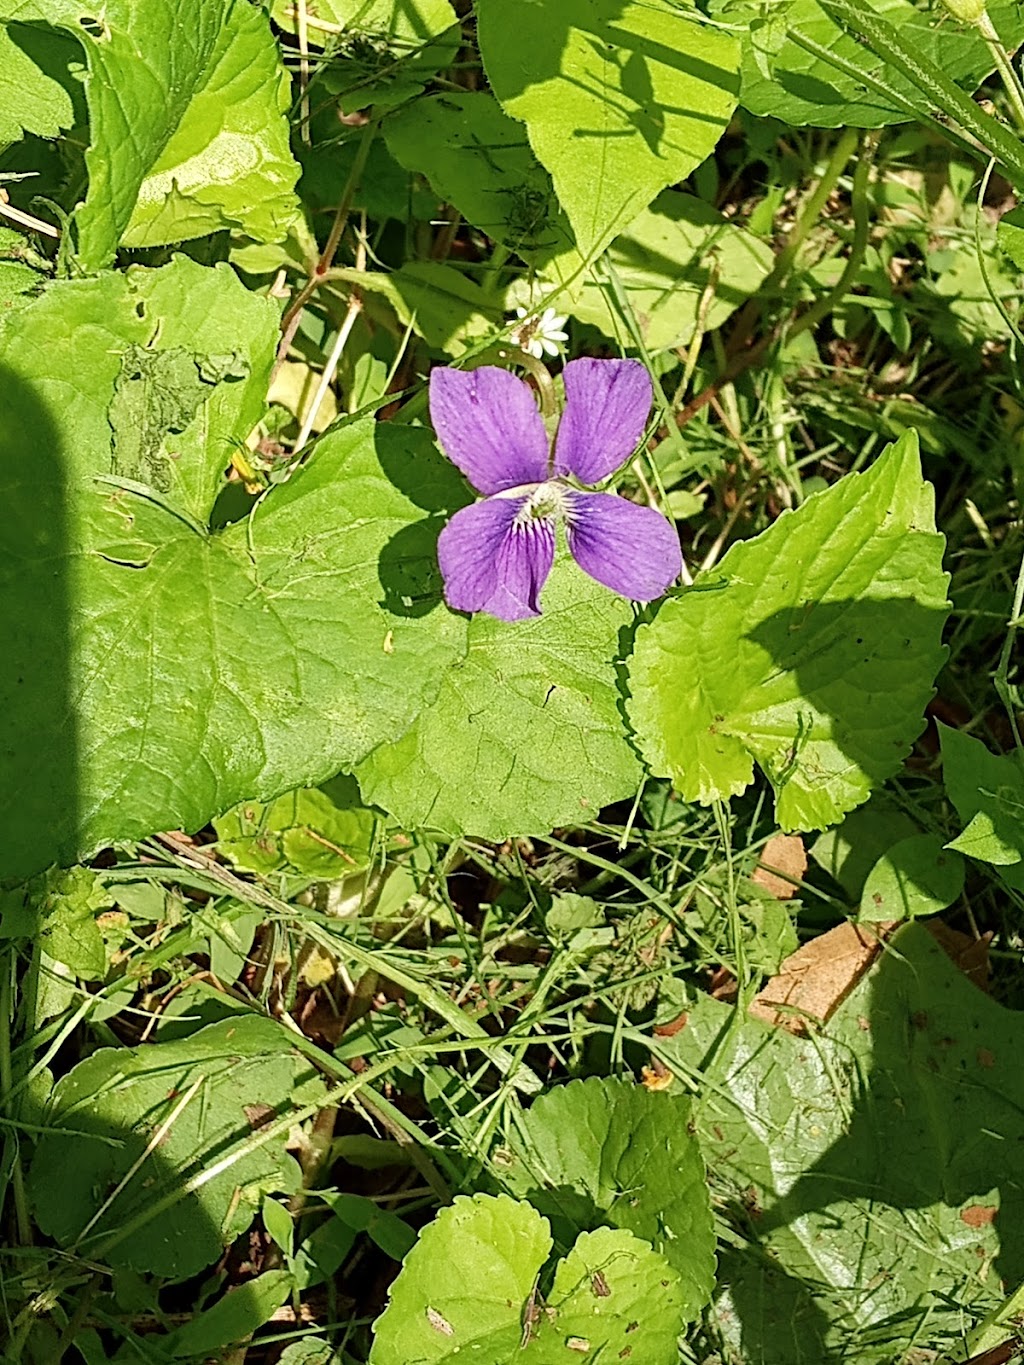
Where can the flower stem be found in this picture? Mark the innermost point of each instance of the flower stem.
(290, 320)
(541, 376)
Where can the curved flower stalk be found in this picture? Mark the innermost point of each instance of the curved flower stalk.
(496, 555)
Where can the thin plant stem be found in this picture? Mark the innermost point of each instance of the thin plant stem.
(810, 212)
(292, 314)
(302, 33)
(355, 307)
(26, 220)
(1002, 673)
(12, 1159)
(1009, 77)
(858, 246)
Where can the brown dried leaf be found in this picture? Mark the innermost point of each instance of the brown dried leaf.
(783, 853)
(978, 1215)
(969, 954)
(817, 978)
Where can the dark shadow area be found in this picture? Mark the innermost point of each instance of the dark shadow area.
(855, 673)
(408, 569)
(939, 1119)
(874, 1164)
(38, 751)
(407, 565)
(771, 1316)
(57, 55)
(815, 91)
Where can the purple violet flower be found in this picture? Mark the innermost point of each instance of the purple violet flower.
(495, 556)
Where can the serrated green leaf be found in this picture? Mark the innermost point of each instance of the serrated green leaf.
(917, 876)
(478, 158)
(94, 1184)
(158, 673)
(784, 80)
(525, 733)
(468, 1290)
(866, 1164)
(613, 1299)
(987, 790)
(195, 105)
(463, 1288)
(620, 98)
(608, 1152)
(834, 609)
(677, 260)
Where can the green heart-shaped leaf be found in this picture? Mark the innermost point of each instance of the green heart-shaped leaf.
(156, 672)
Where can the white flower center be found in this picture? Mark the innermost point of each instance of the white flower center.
(546, 500)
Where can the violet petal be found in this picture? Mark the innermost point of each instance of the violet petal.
(632, 550)
(489, 426)
(606, 407)
(492, 563)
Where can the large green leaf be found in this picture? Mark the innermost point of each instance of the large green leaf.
(187, 110)
(816, 658)
(607, 1151)
(783, 80)
(156, 673)
(120, 1139)
(464, 1285)
(871, 1171)
(526, 732)
(478, 158)
(228, 163)
(677, 260)
(621, 98)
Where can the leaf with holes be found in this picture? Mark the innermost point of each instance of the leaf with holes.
(469, 1289)
(157, 672)
(607, 1152)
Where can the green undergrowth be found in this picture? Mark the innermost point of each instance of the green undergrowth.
(378, 982)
